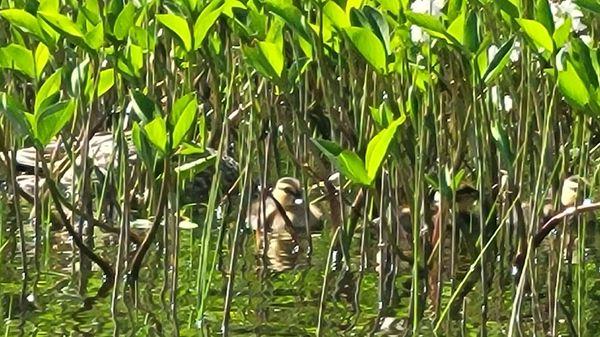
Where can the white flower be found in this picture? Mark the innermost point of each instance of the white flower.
(433, 7)
(507, 102)
(565, 9)
(515, 54)
(417, 35)
(492, 51)
(586, 39)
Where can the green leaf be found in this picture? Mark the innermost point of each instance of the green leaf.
(17, 57)
(179, 27)
(50, 121)
(156, 131)
(590, 5)
(353, 168)
(379, 25)
(538, 34)
(572, 87)
(336, 15)
(95, 37)
(543, 14)
(431, 23)
(509, 8)
(197, 165)
(369, 46)
(143, 106)
(290, 14)
(561, 34)
(502, 142)
(499, 62)
(23, 20)
(204, 23)
(62, 24)
(377, 147)
(124, 21)
(16, 114)
(41, 57)
(79, 78)
(184, 117)
(106, 81)
(141, 144)
(267, 58)
(471, 32)
(50, 86)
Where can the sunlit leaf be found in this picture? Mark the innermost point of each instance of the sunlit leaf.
(204, 23)
(52, 119)
(267, 58)
(537, 33)
(23, 20)
(41, 57)
(50, 86)
(124, 21)
(62, 24)
(106, 81)
(17, 57)
(353, 168)
(378, 145)
(561, 34)
(572, 87)
(95, 37)
(369, 46)
(156, 131)
(336, 15)
(290, 14)
(179, 27)
(184, 118)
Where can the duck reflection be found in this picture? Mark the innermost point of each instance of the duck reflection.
(285, 220)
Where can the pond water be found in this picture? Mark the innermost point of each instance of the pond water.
(281, 299)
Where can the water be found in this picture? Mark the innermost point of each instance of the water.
(281, 299)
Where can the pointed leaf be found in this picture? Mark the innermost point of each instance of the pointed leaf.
(377, 147)
(23, 20)
(369, 46)
(572, 87)
(17, 57)
(184, 118)
(62, 24)
(290, 14)
(499, 62)
(537, 33)
(16, 114)
(543, 14)
(41, 57)
(156, 131)
(50, 86)
(204, 23)
(124, 21)
(179, 27)
(353, 168)
(50, 121)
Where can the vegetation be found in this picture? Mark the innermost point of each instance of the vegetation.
(497, 101)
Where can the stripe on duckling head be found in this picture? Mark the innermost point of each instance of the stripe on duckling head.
(289, 182)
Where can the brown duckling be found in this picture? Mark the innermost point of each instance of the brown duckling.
(286, 196)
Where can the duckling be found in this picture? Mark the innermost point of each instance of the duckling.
(286, 196)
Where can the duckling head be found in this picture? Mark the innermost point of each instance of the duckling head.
(288, 192)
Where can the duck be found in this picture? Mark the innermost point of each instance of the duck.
(284, 210)
(101, 155)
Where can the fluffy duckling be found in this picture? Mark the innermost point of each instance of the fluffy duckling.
(284, 210)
